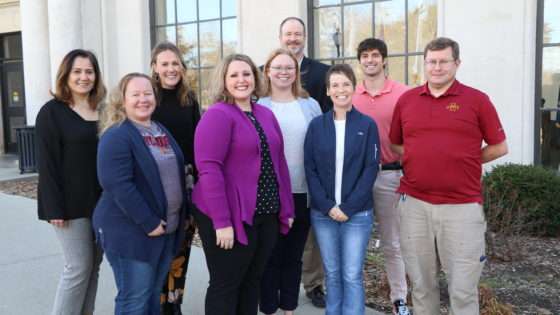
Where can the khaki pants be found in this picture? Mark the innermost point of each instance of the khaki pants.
(312, 273)
(385, 198)
(455, 233)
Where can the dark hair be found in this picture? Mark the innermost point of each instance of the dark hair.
(343, 69)
(185, 94)
(291, 18)
(442, 43)
(63, 93)
(371, 44)
(218, 91)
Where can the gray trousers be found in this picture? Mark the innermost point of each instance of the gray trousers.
(77, 287)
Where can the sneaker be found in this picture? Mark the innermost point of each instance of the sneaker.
(400, 308)
(317, 297)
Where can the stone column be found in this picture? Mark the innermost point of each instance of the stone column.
(36, 65)
(65, 30)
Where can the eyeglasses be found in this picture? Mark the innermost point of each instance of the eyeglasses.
(282, 69)
(442, 63)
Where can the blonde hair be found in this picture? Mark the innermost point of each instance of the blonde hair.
(186, 95)
(297, 89)
(113, 113)
(218, 91)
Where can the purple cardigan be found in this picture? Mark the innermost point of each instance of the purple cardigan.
(228, 159)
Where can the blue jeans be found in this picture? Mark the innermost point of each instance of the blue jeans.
(139, 283)
(343, 248)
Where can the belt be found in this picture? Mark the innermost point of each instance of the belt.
(395, 166)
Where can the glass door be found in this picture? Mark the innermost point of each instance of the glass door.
(13, 102)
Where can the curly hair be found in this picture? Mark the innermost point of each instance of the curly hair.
(113, 113)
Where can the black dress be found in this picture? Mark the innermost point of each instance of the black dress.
(181, 122)
(66, 153)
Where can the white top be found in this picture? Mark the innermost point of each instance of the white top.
(340, 127)
(294, 126)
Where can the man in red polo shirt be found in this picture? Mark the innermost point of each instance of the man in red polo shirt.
(376, 97)
(439, 129)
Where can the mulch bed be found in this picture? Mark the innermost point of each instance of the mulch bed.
(529, 283)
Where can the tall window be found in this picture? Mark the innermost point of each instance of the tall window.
(405, 25)
(204, 31)
(549, 102)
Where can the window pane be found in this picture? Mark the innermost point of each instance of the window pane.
(422, 23)
(165, 12)
(186, 11)
(357, 26)
(229, 33)
(229, 8)
(416, 70)
(551, 29)
(317, 3)
(551, 76)
(193, 79)
(550, 151)
(165, 33)
(209, 43)
(357, 69)
(187, 43)
(12, 47)
(396, 68)
(327, 20)
(389, 24)
(205, 78)
(209, 9)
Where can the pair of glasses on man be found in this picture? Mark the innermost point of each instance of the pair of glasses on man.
(432, 63)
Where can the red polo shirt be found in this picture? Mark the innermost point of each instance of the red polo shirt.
(380, 108)
(442, 139)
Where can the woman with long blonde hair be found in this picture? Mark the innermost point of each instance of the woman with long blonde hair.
(178, 111)
(294, 110)
(139, 219)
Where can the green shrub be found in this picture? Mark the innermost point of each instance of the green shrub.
(522, 199)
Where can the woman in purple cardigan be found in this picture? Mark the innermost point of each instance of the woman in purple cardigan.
(243, 193)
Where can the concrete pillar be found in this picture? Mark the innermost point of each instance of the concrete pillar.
(36, 66)
(502, 68)
(126, 41)
(92, 34)
(65, 30)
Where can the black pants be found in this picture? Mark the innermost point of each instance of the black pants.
(235, 274)
(282, 275)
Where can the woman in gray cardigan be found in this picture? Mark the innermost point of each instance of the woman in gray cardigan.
(294, 110)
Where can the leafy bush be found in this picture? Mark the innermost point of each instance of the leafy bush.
(522, 199)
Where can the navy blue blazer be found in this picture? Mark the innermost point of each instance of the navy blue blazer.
(361, 162)
(133, 201)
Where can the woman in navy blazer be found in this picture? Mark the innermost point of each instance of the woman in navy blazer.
(139, 218)
(341, 155)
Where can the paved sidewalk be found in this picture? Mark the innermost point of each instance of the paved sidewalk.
(31, 262)
(9, 168)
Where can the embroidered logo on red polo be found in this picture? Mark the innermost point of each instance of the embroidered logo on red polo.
(453, 107)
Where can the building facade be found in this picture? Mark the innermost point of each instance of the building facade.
(509, 49)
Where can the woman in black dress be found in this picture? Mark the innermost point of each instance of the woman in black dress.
(179, 112)
(68, 189)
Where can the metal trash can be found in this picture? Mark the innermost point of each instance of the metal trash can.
(27, 151)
